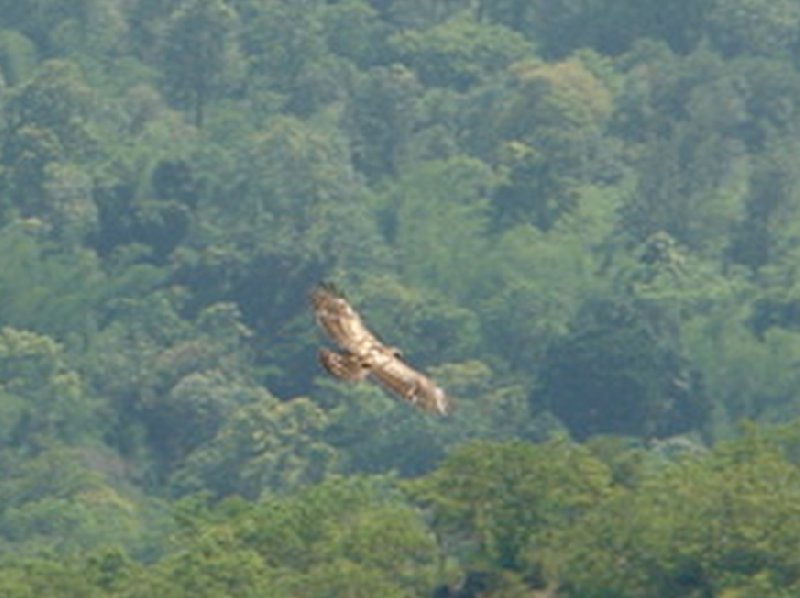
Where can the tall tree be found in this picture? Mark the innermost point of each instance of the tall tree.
(46, 123)
(754, 27)
(497, 502)
(200, 54)
(546, 133)
(381, 117)
(459, 53)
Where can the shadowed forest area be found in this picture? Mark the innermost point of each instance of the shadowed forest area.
(581, 217)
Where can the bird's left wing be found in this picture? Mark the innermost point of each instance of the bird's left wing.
(341, 322)
(418, 389)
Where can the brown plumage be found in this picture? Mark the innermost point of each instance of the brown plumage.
(362, 354)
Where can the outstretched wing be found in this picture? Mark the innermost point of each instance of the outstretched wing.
(340, 321)
(345, 366)
(362, 354)
(409, 384)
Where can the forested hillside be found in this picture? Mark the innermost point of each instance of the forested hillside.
(582, 217)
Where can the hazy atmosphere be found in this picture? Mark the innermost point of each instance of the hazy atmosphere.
(581, 218)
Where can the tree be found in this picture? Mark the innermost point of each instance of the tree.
(69, 500)
(722, 525)
(55, 99)
(613, 375)
(351, 537)
(354, 30)
(18, 57)
(690, 173)
(265, 446)
(545, 140)
(764, 234)
(46, 122)
(375, 434)
(459, 53)
(690, 121)
(427, 204)
(609, 27)
(287, 56)
(199, 54)
(753, 27)
(43, 400)
(420, 14)
(155, 224)
(58, 293)
(381, 117)
(41, 18)
(496, 503)
(346, 526)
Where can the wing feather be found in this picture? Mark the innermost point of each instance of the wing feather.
(340, 321)
(346, 366)
(409, 384)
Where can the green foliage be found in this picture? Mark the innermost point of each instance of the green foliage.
(68, 500)
(499, 500)
(46, 135)
(198, 54)
(740, 26)
(43, 400)
(17, 56)
(428, 202)
(354, 30)
(342, 538)
(614, 375)
(537, 281)
(766, 231)
(381, 118)
(353, 523)
(58, 293)
(458, 53)
(702, 525)
(374, 433)
(55, 99)
(264, 447)
(610, 26)
(546, 135)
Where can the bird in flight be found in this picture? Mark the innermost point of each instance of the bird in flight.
(362, 355)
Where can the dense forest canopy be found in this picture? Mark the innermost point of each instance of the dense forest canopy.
(581, 216)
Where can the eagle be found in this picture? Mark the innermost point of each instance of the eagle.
(361, 354)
